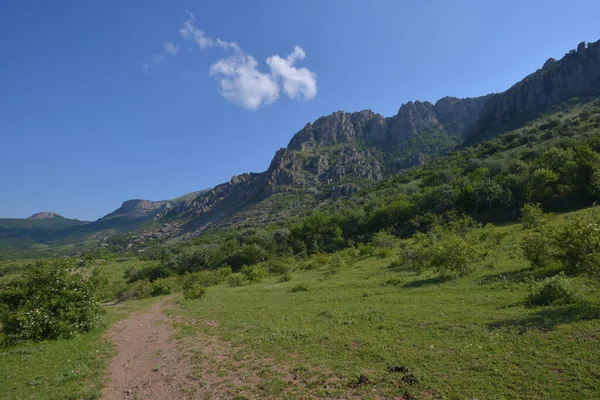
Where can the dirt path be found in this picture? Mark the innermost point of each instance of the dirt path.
(148, 364)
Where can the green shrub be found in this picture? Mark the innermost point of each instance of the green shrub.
(449, 250)
(47, 302)
(365, 249)
(224, 271)
(255, 273)
(301, 287)
(285, 277)
(384, 253)
(579, 248)
(235, 280)
(553, 290)
(532, 215)
(165, 286)
(278, 268)
(337, 261)
(540, 247)
(136, 290)
(320, 259)
(193, 287)
(384, 240)
(104, 288)
(396, 265)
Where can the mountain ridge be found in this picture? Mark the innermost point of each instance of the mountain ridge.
(341, 153)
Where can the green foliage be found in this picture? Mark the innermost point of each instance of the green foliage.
(104, 287)
(285, 277)
(384, 240)
(540, 246)
(193, 286)
(48, 302)
(553, 290)
(300, 287)
(384, 253)
(164, 286)
(136, 290)
(532, 215)
(254, 273)
(279, 267)
(453, 249)
(235, 280)
(579, 244)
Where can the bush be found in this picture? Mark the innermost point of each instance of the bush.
(384, 253)
(396, 265)
(235, 280)
(103, 287)
(285, 277)
(579, 244)
(165, 286)
(193, 287)
(540, 246)
(301, 287)
(384, 240)
(320, 259)
(278, 268)
(554, 290)
(445, 251)
(136, 290)
(48, 302)
(255, 273)
(532, 215)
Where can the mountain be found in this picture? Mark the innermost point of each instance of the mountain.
(339, 154)
(342, 153)
(37, 229)
(576, 74)
(51, 229)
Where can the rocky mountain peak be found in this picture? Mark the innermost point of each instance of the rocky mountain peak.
(45, 215)
(576, 74)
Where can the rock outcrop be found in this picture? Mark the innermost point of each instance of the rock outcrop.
(576, 74)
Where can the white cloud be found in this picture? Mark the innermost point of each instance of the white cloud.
(240, 80)
(242, 83)
(298, 83)
(170, 48)
(189, 31)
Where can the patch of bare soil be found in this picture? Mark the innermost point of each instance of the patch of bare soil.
(148, 364)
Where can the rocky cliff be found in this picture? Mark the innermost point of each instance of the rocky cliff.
(576, 74)
(338, 154)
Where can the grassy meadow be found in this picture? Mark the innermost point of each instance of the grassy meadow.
(352, 325)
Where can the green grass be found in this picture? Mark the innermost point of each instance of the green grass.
(61, 369)
(472, 337)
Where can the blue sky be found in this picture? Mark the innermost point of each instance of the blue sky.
(104, 101)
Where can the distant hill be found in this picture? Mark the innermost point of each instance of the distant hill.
(52, 229)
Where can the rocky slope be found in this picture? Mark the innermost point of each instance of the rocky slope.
(576, 74)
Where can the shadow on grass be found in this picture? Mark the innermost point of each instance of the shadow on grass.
(437, 280)
(521, 275)
(547, 318)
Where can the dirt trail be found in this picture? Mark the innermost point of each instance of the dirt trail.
(148, 364)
